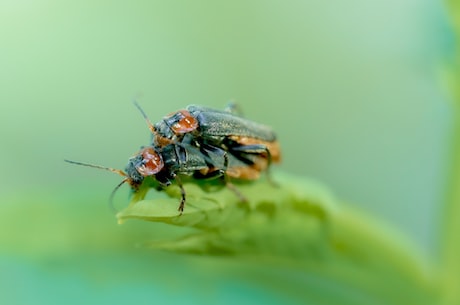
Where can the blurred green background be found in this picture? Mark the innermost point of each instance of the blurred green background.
(352, 88)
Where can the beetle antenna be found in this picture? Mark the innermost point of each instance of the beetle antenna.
(113, 170)
(149, 123)
(111, 205)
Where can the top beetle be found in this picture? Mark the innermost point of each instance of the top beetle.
(209, 122)
(223, 129)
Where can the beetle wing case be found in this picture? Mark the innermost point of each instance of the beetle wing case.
(223, 123)
(183, 159)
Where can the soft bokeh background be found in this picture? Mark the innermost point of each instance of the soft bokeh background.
(352, 88)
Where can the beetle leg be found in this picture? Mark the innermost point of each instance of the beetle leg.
(227, 182)
(233, 108)
(253, 149)
(222, 173)
(205, 148)
(257, 149)
(225, 162)
(182, 192)
(234, 189)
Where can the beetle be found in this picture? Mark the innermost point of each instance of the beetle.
(167, 164)
(208, 129)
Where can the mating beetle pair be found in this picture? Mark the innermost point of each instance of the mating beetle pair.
(225, 131)
(203, 143)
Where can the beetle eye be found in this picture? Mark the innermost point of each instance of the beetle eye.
(152, 162)
(185, 123)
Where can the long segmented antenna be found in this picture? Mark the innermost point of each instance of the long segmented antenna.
(149, 123)
(112, 206)
(113, 170)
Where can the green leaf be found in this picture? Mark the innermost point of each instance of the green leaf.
(297, 225)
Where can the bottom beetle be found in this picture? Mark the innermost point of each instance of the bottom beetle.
(168, 163)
